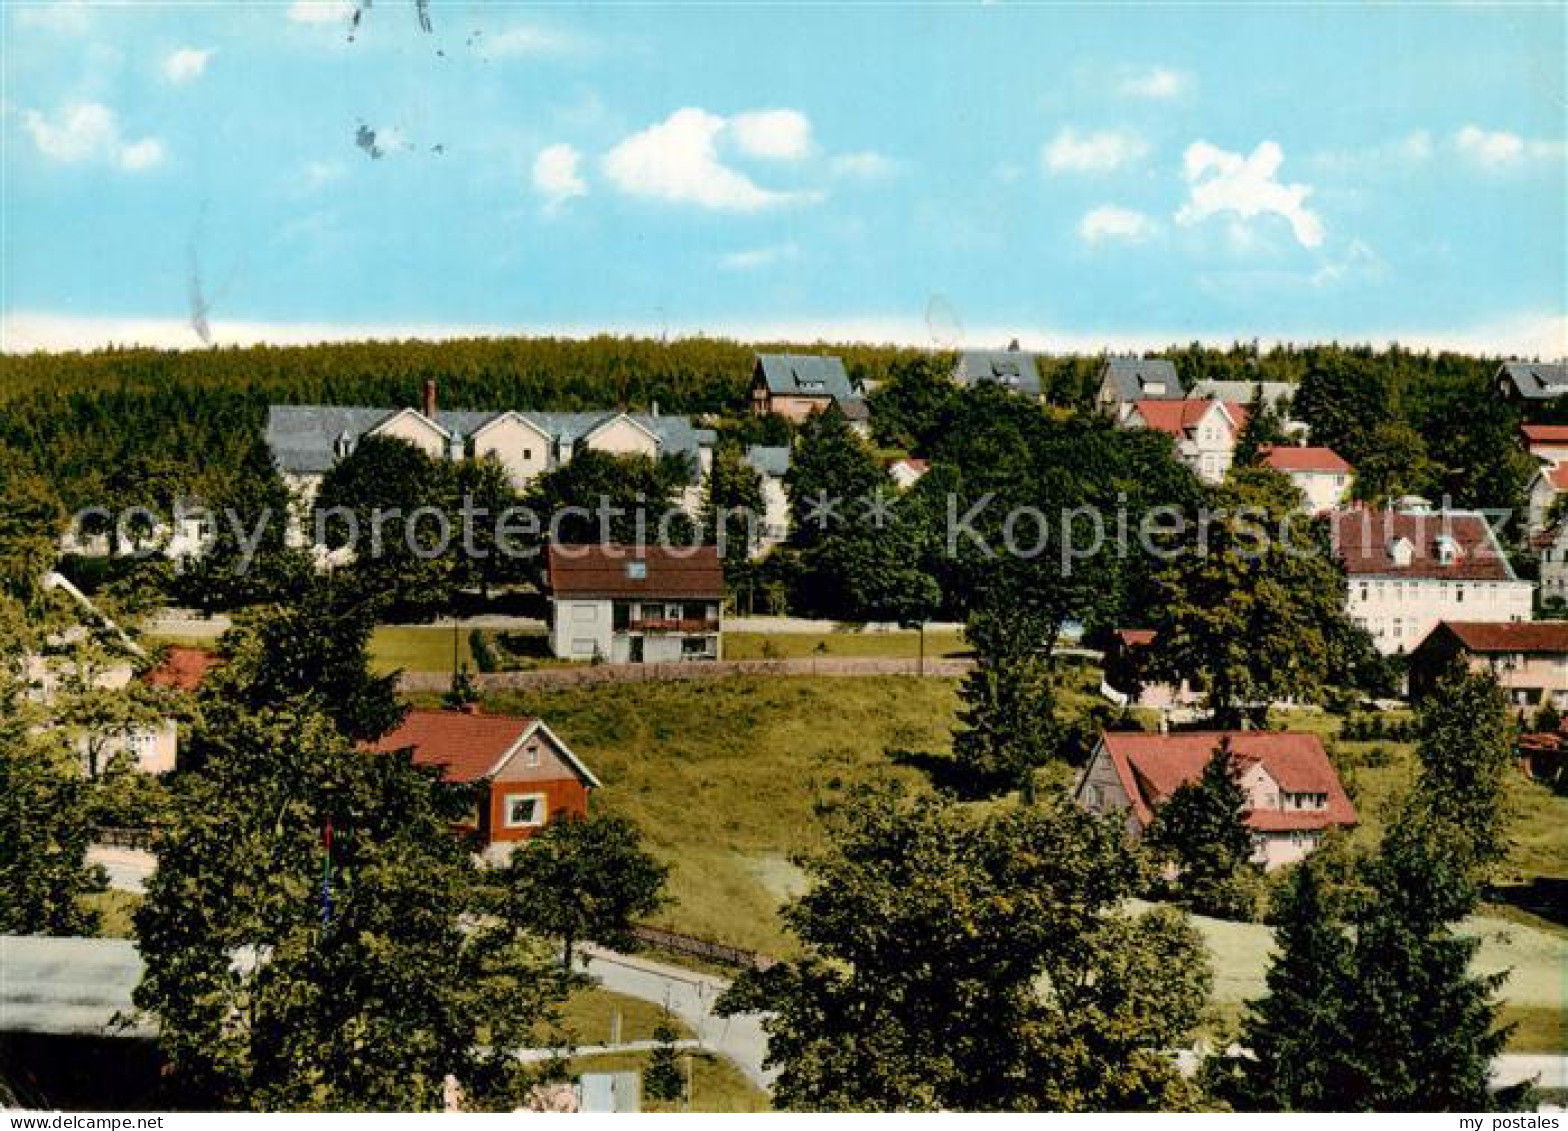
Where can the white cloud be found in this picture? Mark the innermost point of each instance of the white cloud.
(89, 132)
(677, 160)
(778, 135)
(69, 16)
(1102, 152)
(141, 155)
(754, 258)
(1109, 223)
(866, 165)
(524, 40)
(320, 11)
(318, 174)
(557, 175)
(1160, 82)
(1499, 151)
(185, 64)
(1222, 183)
(1414, 148)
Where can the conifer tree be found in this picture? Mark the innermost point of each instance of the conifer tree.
(662, 1078)
(1201, 830)
(1007, 719)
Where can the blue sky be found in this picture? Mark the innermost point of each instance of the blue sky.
(1073, 176)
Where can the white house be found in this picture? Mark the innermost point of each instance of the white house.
(772, 464)
(1546, 485)
(635, 604)
(1205, 431)
(306, 440)
(1318, 473)
(1408, 569)
(906, 472)
(1293, 794)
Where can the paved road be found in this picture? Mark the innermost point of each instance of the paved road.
(690, 996)
(128, 868)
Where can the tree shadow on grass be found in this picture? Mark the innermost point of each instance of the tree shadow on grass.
(1545, 896)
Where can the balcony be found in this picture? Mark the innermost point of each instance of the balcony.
(671, 624)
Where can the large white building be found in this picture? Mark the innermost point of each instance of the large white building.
(1408, 569)
(635, 604)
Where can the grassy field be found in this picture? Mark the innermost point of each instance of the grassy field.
(722, 775)
(589, 1017)
(418, 649)
(115, 909)
(803, 645)
(716, 1084)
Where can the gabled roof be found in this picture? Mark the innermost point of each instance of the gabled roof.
(1153, 766)
(1013, 369)
(1363, 537)
(1544, 636)
(1284, 457)
(1179, 418)
(1536, 380)
(590, 571)
(1555, 475)
(913, 463)
(1142, 378)
(303, 438)
(1552, 434)
(1274, 392)
(772, 461)
(805, 375)
(182, 669)
(471, 747)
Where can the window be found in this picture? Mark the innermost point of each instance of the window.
(528, 454)
(531, 754)
(637, 571)
(584, 612)
(582, 647)
(524, 810)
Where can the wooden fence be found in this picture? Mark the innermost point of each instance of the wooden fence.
(693, 947)
(111, 837)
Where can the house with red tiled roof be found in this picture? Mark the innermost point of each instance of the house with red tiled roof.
(531, 776)
(1528, 658)
(1546, 487)
(1205, 431)
(1546, 442)
(1409, 567)
(1293, 794)
(635, 604)
(1319, 473)
(908, 471)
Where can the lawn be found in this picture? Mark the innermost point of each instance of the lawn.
(722, 775)
(115, 909)
(879, 645)
(418, 649)
(589, 1017)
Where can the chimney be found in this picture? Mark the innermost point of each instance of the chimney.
(430, 400)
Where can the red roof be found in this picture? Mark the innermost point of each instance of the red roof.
(1153, 766)
(182, 669)
(1286, 458)
(1556, 475)
(1364, 540)
(468, 746)
(1544, 433)
(1177, 418)
(1135, 637)
(1550, 636)
(912, 463)
(611, 571)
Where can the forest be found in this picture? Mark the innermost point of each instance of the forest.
(168, 422)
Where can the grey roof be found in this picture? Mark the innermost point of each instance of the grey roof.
(1014, 369)
(303, 437)
(1536, 380)
(1143, 379)
(770, 461)
(1240, 392)
(66, 985)
(806, 375)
